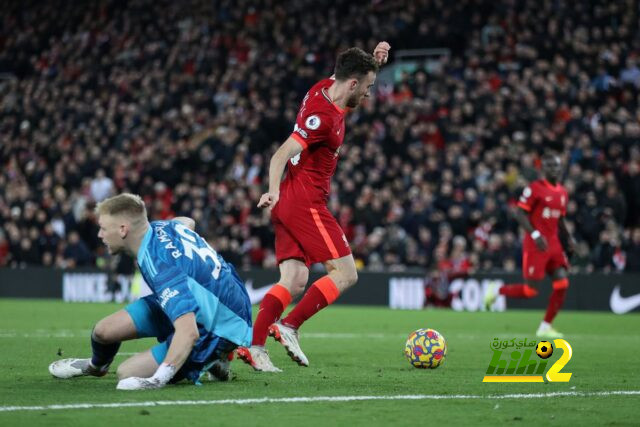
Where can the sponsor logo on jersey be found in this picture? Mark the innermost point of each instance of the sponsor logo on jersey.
(166, 295)
(551, 213)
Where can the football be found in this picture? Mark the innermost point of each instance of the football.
(544, 349)
(425, 348)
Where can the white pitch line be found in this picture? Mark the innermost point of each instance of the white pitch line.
(310, 335)
(323, 335)
(316, 399)
(43, 333)
(349, 336)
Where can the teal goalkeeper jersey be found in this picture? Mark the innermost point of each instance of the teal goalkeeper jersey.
(186, 275)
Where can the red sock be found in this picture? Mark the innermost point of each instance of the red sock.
(322, 293)
(271, 307)
(557, 299)
(518, 291)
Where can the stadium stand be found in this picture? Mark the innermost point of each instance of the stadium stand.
(184, 103)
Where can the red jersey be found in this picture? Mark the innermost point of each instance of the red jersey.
(319, 129)
(546, 204)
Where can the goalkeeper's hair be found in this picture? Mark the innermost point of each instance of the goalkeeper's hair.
(354, 63)
(125, 204)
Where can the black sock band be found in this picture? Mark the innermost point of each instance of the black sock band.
(103, 354)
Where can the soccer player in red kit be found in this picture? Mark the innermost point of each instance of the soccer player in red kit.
(306, 232)
(541, 210)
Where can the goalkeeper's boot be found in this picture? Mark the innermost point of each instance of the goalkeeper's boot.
(257, 357)
(219, 371)
(288, 337)
(69, 368)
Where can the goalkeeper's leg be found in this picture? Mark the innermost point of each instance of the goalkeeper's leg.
(105, 342)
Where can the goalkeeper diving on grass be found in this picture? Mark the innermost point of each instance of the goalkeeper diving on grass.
(199, 309)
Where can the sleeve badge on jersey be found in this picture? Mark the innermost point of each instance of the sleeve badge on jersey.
(312, 122)
(301, 131)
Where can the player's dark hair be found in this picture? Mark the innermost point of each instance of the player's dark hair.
(354, 63)
(549, 156)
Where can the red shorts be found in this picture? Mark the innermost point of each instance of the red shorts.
(536, 264)
(308, 233)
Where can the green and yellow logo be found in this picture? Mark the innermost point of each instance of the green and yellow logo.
(526, 361)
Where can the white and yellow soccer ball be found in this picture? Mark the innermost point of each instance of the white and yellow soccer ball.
(425, 348)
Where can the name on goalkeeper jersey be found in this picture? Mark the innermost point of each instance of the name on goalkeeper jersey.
(164, 237)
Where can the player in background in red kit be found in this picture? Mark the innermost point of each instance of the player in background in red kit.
(306, 232)
(541, 210)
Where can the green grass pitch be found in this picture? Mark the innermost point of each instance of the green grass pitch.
(353, 351)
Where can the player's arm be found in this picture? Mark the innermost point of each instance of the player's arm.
(522, 216)
(381, 52)
(566, 236)
(528, 200)
(179, 304)
(187, 222)
(279, 160)
(184, 339)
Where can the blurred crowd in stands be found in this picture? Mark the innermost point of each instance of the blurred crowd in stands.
(184, 103)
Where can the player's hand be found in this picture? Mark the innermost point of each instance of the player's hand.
(137, 383)
(268, 200)
(381, 52)
(571, 246)
(541, 243)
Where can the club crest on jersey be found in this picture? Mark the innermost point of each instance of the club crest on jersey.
(312, 122)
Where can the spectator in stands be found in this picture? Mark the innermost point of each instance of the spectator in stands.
(188, 101)
(27, 254)
(632, 251)
(631, 73)
(76, 253)
(101, 186)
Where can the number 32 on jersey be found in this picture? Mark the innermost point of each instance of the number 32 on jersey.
(189, 241)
